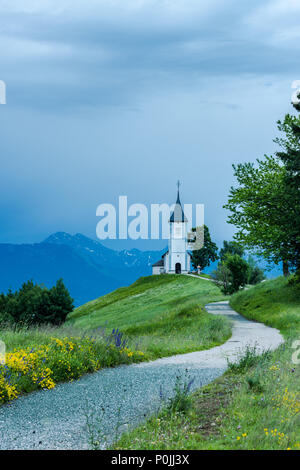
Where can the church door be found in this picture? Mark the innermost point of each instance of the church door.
(178, 268)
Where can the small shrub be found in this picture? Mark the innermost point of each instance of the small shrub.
(255, 384)
(180, 402)
(294, 280)
(247, 359)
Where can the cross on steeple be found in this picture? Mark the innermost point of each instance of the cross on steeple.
(178, 184)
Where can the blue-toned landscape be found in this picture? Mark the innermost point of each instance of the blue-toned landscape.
(150, 229)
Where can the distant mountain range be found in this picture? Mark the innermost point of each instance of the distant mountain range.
(88, 269)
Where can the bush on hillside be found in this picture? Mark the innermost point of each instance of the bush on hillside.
(35, 304)
(232, 273)
(294, 280)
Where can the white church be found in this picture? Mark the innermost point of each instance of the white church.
(177, 260)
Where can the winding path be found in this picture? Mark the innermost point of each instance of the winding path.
(113, 398)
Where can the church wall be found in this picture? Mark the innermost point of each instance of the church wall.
(157, 269)
(178, 258)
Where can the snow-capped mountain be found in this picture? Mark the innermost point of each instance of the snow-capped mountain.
(133, 263)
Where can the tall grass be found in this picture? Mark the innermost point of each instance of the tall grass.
(249, 357)
(34, 336)
(254, 406)
(275, 302)
(185, 329)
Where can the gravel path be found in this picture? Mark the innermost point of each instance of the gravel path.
(112, 398)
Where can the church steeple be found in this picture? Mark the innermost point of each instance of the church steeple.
(177, 260)
(178, 214)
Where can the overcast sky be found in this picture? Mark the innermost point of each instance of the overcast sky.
(125, 97)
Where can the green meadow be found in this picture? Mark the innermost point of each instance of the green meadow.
(160, 315)
(157, 316)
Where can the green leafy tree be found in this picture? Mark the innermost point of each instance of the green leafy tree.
(232, 248)
(290, 157)
(232, 273)
(238, 268)
(35, 304)
(265, 207)
(255, 274)
(207, 254)
(23, 305)
(223, 277)
(257, 208)
(61, 303)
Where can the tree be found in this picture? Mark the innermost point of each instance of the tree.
(232, 248)
(23, 305)
(290, 157)
(238, 268)
(35, 304)
(223, 277)
(255, 274)
(232, 273)
(258, 208)
(265, 207)
(61, 303)
(207, 254)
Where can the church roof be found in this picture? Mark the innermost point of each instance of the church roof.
(161, 261)
(158, 263)
(178, 214)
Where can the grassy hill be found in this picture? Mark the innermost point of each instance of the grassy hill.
(275, 303)
(161, 315)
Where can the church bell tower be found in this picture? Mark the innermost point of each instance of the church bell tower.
(179, 259)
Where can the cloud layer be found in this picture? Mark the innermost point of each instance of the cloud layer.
(126, 96)
(104, 52)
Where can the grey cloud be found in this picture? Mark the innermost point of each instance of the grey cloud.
(102, 102)
(106, 59)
